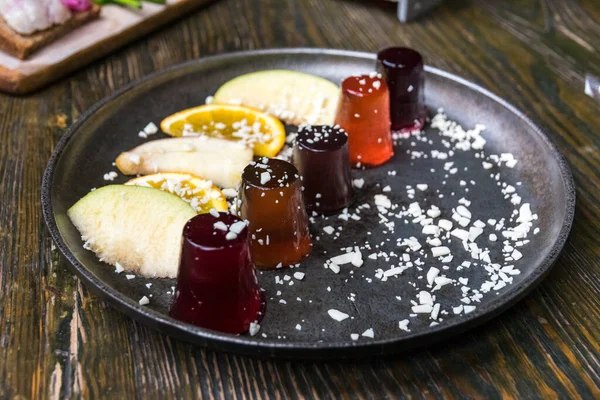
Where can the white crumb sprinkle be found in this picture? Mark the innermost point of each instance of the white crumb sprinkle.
(220, 225)
(432, 274)
(337, 315)
(370, 333)
(358, 183)
(440, 251)
(151, 129)
(265, 177)
(231, 236)
(403, 325)
(229, 193)
(118, 268)
(328, 230)
(254, 328)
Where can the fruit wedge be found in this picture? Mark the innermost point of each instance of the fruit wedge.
(138, 227)
(218, 160)
(294, 97)
(264, 134)
(200, 193)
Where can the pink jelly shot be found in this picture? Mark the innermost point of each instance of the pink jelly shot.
(404, 73)
(217, 286)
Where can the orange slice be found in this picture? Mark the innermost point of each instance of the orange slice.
(264, 134)
(200, 193)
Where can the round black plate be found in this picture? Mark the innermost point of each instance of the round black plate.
(90, 146)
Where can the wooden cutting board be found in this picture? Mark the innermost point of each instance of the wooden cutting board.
(116, 27)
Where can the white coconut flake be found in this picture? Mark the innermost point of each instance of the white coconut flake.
(328, 230)
(445, 224)
(370, 333)
(151, 129)
(220, 225)
(460, 234)
(422, 309)
(144, 300)
(382, 201)
(337, 315)
(440, 251)
(229, 193)
(254, 328)
(431, 230)
(265, 177)
(118, 268)
(432, 274)
(469, 309)
(358, 183)
(403, 325)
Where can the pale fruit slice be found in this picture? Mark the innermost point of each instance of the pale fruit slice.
(263, 133)
(138, 227)
(294, 97)
(200, 193)
(218, 160)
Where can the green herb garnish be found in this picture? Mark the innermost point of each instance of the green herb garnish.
(137, 4)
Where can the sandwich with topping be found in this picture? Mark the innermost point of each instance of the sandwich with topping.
(28, 25)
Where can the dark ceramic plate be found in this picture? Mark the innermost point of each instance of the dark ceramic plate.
(88, 149)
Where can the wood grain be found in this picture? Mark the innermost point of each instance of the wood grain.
(58, 341)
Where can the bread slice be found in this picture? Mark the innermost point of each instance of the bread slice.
(22, 46)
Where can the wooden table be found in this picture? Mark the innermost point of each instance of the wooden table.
(56, 340)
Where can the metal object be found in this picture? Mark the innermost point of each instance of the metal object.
(409, 10)
(592, 86)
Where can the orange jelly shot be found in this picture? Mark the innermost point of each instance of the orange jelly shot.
(364, 113)
(272, 202)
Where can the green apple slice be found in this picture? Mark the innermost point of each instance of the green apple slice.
(140, 228)
(294, 97)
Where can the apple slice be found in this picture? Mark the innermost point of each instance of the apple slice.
(138, 227)
(294, 97)
(218, 160)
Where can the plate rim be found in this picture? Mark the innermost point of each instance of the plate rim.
(305, 350)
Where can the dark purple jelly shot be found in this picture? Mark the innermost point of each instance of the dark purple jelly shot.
(404, 73)
(217, 286)
(321, 155)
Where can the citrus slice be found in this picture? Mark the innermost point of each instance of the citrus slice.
(264, 134)
(200, 193)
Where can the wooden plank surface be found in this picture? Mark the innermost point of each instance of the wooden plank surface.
(115, 27)
(58, 341)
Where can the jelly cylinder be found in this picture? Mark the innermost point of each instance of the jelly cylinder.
(404, 73)
(272, 202)
(217, 286)
(364, 113)
(321, 155)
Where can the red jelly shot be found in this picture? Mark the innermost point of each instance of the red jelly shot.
(403, 71)
(271, 200)
(364, 113)
(321, 155)
(216, 282)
